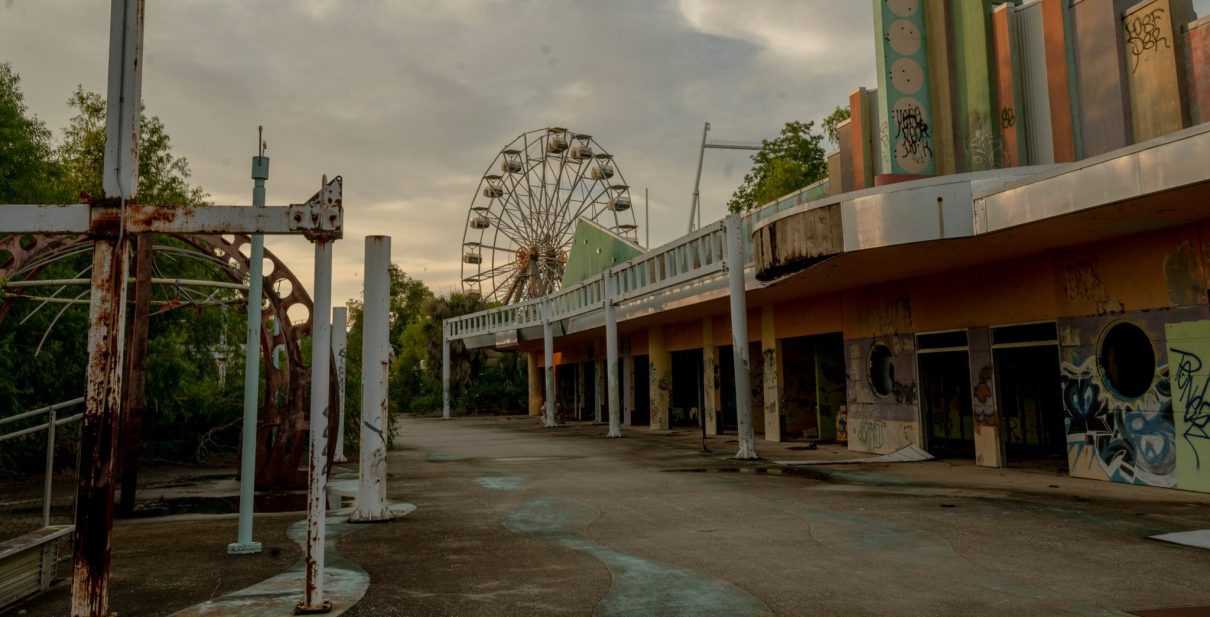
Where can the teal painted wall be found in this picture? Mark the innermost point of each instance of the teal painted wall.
(594, 250)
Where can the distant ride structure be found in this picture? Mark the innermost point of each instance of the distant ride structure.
(522, 218)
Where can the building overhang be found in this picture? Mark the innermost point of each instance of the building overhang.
(939, 224)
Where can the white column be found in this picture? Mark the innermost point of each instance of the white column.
(445, 371)
(549, 346)
(340, 349)
(739, 338)
(244, 545)
(611, 360)
(321, 351)
(375, 365)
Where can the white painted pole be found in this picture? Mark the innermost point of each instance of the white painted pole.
(445, 371)
(611, 359)
(321, 350)
(244, 545)
(375, 365)
(340, 351)
(549, 345)
(739, 338)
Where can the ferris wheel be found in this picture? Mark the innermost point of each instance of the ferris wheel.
(522, 218)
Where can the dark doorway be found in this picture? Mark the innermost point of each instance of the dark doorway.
(588, 398)
(686, 387)
(814, 385)
(726, 377)
(945, 400)
(1027, 382)
(565, 389)
(642, 393)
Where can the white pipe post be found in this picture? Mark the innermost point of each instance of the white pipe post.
(548, 341)
(340, 351)
(321, 351)
(244, 545)
(445, 371)
(739, 338)
(611, 359)
(375, 365)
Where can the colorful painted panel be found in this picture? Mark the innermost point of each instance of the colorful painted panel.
(1101, 78)
(1155, 68)
(1059, 72)
(1189, 356)
(978, 124)
(903, 89)
(1004, 37)
(1119, 433)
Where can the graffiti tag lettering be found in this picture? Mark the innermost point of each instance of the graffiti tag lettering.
(1193, 395)
(1144, 33)
(912, 134)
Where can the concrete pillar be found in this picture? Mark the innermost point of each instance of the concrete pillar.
(628, 378)
(712, 399)
(1101, 75)
(989, 442)
(375, 376)
(535, 384)
(598, 388)
(548, 343)
(739, 338)
(771, 356)
(612, 385)
(659, 363)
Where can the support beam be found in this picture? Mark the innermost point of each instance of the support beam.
(244, 545)
(534, 372)
(771, 356)
(317, 498)
(739, 338)
(548, 343)
(711, 386)
(134, 399)
(611, 361)
(660, 375)
(445, 371)
(340, 352)
(375, 366)
(107, 320)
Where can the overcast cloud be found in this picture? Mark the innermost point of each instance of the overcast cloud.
(410, 101)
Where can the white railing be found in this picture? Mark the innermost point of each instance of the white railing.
(685, 259)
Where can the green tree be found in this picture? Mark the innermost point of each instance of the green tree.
(831, 124)
(783, 165)
(28, 171)
(163, 177)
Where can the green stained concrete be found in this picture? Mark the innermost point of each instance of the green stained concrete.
(977, 122)
(594, 250)
(638, 586)
(501, 483)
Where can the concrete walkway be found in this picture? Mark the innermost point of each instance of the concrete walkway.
(519, 520)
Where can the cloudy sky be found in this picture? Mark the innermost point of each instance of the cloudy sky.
(411, 100)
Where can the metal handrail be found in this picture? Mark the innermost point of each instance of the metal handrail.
(49, 426)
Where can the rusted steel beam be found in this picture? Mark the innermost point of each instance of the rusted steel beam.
(98, 443)
(135, 399)
(105, 217)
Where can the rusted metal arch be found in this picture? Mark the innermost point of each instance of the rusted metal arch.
(283, 422)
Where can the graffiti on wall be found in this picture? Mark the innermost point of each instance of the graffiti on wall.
(1124, 441)
(984, 408)
(983, 142)
(1188, 352)
(913, 145)
(879, 436)
(1145, 33)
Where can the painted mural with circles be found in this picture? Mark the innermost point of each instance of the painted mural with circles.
(903, 89)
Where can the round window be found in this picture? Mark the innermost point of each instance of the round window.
(1127, 360)
(882, 369)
